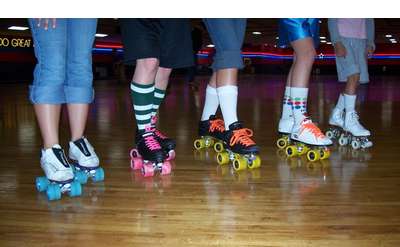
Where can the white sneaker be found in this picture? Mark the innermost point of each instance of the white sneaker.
(337, 118)
(352, 125)
(83, 153)
(285, 125)
(55, 165)
(307, 132)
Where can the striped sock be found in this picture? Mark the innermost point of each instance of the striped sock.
(299, 99)
(142, 98)
(287, 103)
(159, 95)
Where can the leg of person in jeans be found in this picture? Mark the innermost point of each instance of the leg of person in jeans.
(47, 93)
(79, 90)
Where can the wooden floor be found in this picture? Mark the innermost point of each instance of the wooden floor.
(352, 199)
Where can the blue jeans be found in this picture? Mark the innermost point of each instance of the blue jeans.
(63, 73)
(227, 35)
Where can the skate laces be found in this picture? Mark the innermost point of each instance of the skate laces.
(355, 120)
(307, 124)
(151, 142)
(242, 136)
(159, 134)
(217, 125)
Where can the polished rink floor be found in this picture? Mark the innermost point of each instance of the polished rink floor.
(352, 199)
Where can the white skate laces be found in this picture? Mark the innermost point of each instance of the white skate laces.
(83, 153)
(307, 132)
(55, 165)
(353, 125)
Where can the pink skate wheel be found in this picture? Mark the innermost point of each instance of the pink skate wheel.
(166, 168)
(171, 155)
(134, 153)
(136, 163)
(148, 170)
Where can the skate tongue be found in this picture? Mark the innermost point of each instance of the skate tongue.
(56, 146)
(236, 125)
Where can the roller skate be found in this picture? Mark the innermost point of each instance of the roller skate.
(336, 121)
(354, 133)
(149, 156)
(284, 130)
(84, 158)
(237, 147)
(211, 134)
(166, 143)
(308, 139)
(60, 178)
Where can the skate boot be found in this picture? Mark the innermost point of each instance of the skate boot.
(149, 156)
(285, 128)
(84, 158)
(239, 148)
(355, 134)
(336, 120)
(166, 143)
(211, 134)
(59, 175)
(308, 139)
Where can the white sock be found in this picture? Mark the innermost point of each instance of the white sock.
(298, 96)
(228, 101)
(287, 111)
(350, 102)
(340, 103)
(211, 103)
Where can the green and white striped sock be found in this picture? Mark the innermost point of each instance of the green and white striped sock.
(159, 95)
(142, 98)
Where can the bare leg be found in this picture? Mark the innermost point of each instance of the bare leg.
(48, 117)
(227, 77)
(302, 65)
(352, 84)
(145, 72)
(162, 78)
(77, 114)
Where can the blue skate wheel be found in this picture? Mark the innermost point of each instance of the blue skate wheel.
(98, 175)
(76, 189)
(42, 183)
(81, 177)
(53, 192)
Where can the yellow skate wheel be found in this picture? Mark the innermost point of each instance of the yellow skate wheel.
(325, 153)
(209, 142)
(199, 144)
(291, 151)
(223, 158)
(303, 149)
(282, 142)
(256, 163)
(239, 164)
(313, 155)
(219, 147)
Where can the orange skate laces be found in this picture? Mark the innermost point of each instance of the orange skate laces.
(217, 125)
(242, 136)
(307, 124)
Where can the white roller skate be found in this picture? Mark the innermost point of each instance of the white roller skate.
(284, 129)
(308, 139)
(336, 120)
(85, 159)
(59, 175)
(355, 134)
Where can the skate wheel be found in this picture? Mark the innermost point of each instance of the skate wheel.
(136, 163)
(209, 142)
(291, 151)
(42, 183)
(303, 149)
(223, 158)
(281, 143)
(355, 144)
(199, 144)
(76, 189)
(256, 163)
(166, 168)
(98, 175)
(325, 153)
(330, 134)
(219, 147)
(81, 177)
(313, 155)
(148, 170)
(239, 164)
(171, 155)
(53, 192)
(134, 153)
(343, 140)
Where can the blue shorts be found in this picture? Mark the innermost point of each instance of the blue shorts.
(292, 29)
